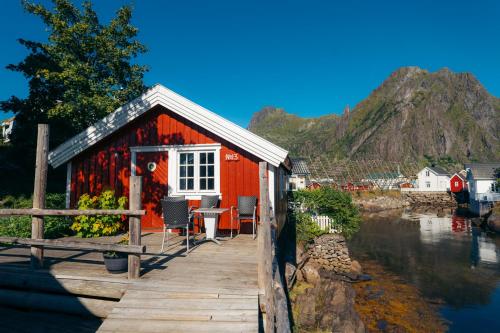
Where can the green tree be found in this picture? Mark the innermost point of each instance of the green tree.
(83, 72)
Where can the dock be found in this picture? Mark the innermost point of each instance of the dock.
(212, 289)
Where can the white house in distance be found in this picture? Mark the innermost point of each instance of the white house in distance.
(433, 179)
(483, 189)
(6, 127)
(299, 179)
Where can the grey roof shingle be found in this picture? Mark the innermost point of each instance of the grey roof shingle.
(482, 170)
(439, 171)
(299, 167)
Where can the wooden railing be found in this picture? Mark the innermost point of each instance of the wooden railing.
(272, 299)
(38, 212)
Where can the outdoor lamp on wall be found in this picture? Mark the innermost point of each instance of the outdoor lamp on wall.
(151, 166)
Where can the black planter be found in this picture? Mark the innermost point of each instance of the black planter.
(116, 263)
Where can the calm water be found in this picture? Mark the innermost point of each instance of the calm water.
(445, 256)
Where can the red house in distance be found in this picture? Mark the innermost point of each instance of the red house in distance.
(179, 148)
(458, 183)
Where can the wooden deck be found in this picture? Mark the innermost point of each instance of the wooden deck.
(213, 289)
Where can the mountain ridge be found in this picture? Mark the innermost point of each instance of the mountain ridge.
(413, 115)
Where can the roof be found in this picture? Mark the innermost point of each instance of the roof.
(438, 171)
(459, 175)
(159, 95)
(482, 170)
(299, 166)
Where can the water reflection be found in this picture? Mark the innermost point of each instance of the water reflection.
(443, 253)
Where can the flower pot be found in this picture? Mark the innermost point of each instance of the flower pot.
(116, 263)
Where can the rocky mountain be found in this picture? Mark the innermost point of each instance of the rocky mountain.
(415, 114)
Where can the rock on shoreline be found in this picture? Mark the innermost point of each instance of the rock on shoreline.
(322, 299)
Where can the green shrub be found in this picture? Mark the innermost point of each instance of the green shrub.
(306, 228)
(20, 226)
(335, 204)
(104, 225)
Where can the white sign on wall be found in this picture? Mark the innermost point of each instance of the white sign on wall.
(232, 157)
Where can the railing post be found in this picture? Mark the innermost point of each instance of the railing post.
(134, 260)
(265, 251)
(42, 152)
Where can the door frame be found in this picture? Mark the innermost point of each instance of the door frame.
(172, 153)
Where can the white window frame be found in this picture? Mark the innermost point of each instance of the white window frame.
(427, 173)
(173, 166)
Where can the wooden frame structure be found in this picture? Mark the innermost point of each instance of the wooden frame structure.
(37, 241)
(272, 296)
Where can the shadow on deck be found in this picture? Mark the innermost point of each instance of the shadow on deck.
(212, 289)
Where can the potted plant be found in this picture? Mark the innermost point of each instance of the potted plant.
(116, 262)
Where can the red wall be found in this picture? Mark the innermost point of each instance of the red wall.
(460, 186)
(107, 164)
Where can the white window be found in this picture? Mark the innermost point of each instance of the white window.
(428, 184)
(456, 184)
(197, 171)
(427, 173)
(207, 171)
(186, 171)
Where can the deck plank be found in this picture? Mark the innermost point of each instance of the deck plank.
(211, 289)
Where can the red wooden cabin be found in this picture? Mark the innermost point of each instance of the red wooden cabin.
(179, 148)
(458, 183)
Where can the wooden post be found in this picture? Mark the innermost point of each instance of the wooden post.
(42, 152)
(265, 251)
(134, 224)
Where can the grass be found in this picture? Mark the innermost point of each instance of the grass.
(20, 226)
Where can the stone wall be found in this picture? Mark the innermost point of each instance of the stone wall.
(380, 203)
(330, 252)
(429, 199)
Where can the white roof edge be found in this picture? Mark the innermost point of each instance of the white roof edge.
(159, 95)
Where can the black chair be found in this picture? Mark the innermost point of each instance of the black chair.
(246, 211)
(176, 216)
(207, 201)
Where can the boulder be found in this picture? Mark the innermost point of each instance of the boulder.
(310, 273)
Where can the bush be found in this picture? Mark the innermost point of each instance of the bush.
(335, 204)
(20, 226)
(306, 228)
(104, 225)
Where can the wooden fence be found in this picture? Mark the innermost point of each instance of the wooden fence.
(38, 212)
(272, 299)
(325, 223)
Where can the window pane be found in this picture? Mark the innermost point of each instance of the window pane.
(210, 158)
(203, 184)
(190, 158)
(190, 171)
(182, 184)
(210, 171)
(183, 171)
(203, 158)
(190, 184)
(203, 171)
(210, 184)
(183, 159)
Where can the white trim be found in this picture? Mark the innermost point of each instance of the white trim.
(271, 173)
(148, 149)
(159, 95)
(173, 151)
(133, 162)
(68, 185)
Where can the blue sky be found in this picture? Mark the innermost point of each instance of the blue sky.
(308, 57)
